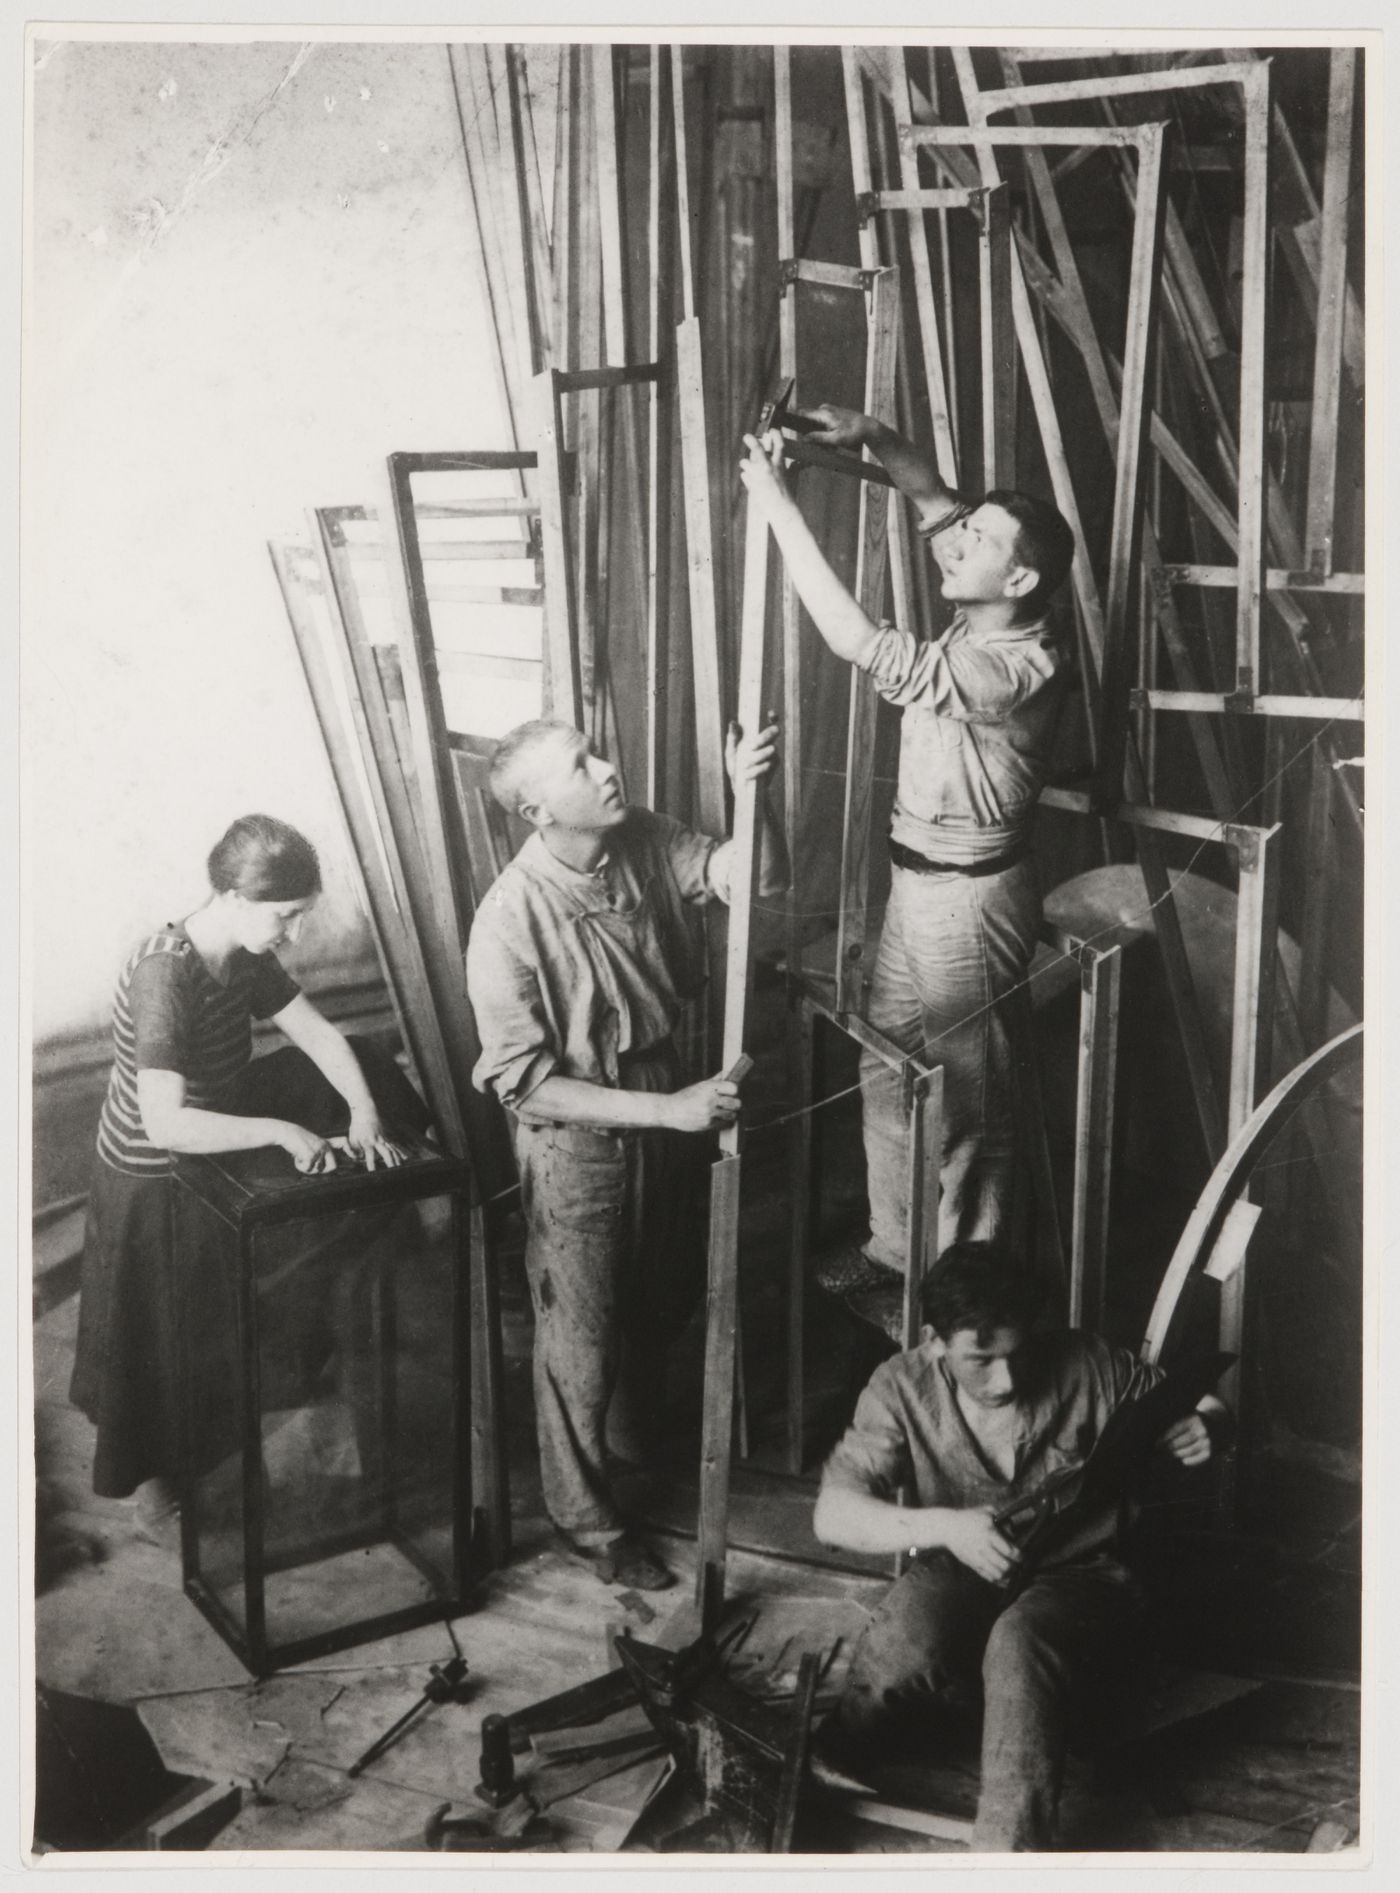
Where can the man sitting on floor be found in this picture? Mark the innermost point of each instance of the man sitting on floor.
(981, 1414)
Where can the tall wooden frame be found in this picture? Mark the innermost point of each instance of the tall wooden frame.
(1254, 83)
(1257, 858)
(1189, 302)
(1114, 638)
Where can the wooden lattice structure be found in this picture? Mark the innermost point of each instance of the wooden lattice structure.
(634, 207)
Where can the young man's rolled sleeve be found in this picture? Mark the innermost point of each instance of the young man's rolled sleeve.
(971, 682)
(873, 1454)
(517, 1045)
(692, 860)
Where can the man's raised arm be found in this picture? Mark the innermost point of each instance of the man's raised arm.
(913, 470)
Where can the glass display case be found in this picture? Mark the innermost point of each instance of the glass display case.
(323, 1343)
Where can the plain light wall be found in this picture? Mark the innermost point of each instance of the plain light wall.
(252, 275)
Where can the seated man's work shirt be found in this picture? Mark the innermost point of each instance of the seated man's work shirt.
(979, 710)
(909, 1432)
(569, 972)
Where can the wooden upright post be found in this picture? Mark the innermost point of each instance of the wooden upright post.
(722, 1303)
(1130, 463)
(871, 566)
(706, 657)
(998, 340)
(1331, 312)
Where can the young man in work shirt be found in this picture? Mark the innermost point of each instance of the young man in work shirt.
(979, 706)
(981, 1414)
(580, 959)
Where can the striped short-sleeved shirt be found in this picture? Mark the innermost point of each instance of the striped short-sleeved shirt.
(171, 1014)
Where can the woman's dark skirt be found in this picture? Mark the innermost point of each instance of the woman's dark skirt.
(125, 1372)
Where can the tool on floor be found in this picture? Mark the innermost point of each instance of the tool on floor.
(446, 1683)
(746, 1759)
(475, 1834)
(497, 1784)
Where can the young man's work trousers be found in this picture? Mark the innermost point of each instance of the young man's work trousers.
(1041, 1656)
(614, 1243)
(952, 946)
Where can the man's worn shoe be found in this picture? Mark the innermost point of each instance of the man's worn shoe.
(623, 1560)
(849, 1271)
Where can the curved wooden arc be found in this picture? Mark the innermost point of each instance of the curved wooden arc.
(1231, 1175)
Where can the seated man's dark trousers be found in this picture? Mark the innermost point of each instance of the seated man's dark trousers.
(1042, 1653)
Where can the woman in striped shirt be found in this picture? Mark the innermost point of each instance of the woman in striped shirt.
(181, 1083)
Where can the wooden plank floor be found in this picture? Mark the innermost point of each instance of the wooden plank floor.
(1254, 1776)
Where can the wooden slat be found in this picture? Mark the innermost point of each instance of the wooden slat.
(1100, 976)
(858, 137)
(660, 431)
(544, 297)
(1129, 459)
(1345, 584)
(791, 636)
(998, 341)
(825, 275)
(1230, 1177)
(925, 1160)
(480, 184)
(1034, 136)
(1331, 312)
(940, 413)
(801, 1080)
(1251, 1041)
(684, 232)
(722, 1305)
(871, 554)
(1196, 702)
(565, 700)
(609, 205)
(708, 677)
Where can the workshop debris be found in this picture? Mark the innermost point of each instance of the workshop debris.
(446, 1683)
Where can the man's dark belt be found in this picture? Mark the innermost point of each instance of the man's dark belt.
(916, 863)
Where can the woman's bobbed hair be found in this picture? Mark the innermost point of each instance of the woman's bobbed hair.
(264, 859)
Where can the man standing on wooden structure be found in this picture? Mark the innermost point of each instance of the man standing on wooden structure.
(971, 1425)
(581, 957)
(964, 912)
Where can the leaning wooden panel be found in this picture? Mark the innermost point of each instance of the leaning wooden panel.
(300, 579)
(445, 951)
(722, 1305)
